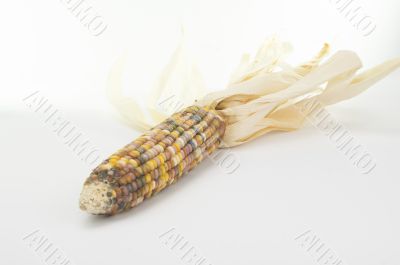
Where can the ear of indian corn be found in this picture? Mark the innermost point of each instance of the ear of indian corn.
(152, 162)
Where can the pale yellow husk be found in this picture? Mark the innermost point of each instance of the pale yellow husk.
(263, 95)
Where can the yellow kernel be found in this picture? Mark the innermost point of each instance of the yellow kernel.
(162, 170)
(147, 178)
(146, 146)
(177, 147)
(134, 153)
(161, 158)
(164, 177)
(180, 167)
(105, 166)
(133, 162)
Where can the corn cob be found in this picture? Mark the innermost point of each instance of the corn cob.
(152, 162)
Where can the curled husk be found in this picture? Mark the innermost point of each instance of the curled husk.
(263, 94)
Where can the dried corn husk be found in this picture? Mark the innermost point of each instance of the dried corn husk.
(263, 94)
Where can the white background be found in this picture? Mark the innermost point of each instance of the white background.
(288, 183)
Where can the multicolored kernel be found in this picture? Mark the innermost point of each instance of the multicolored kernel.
(159, 157)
